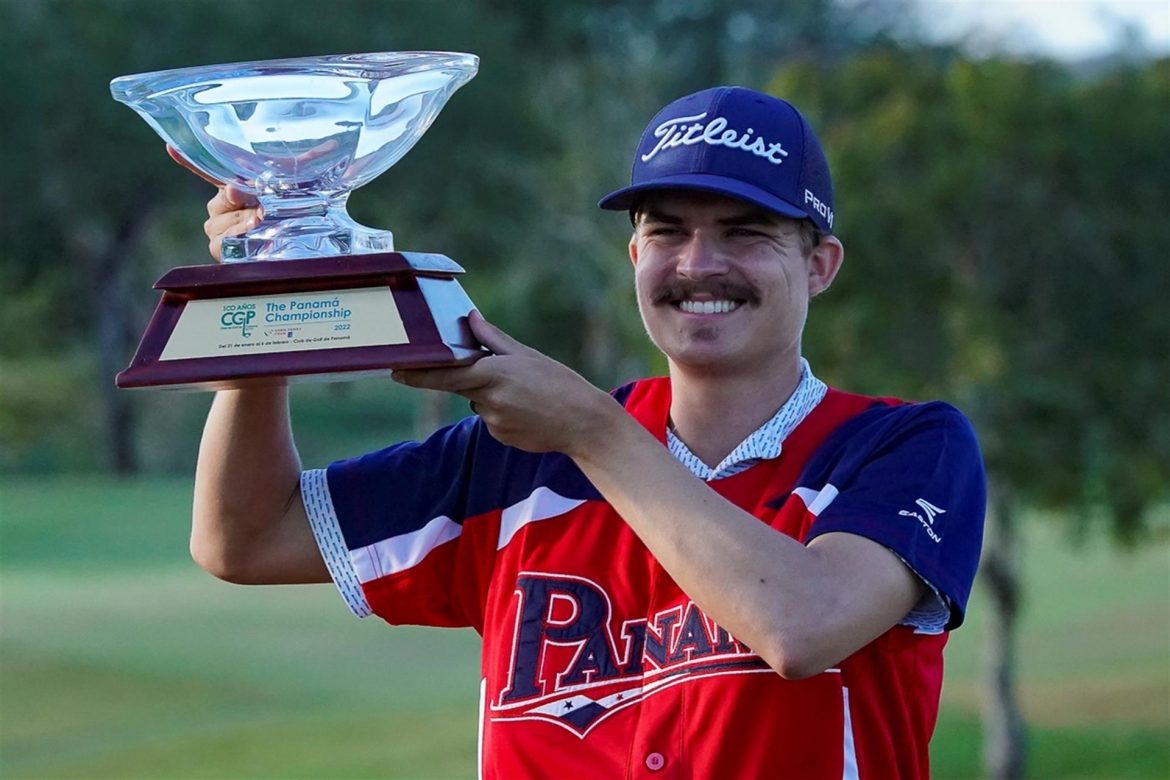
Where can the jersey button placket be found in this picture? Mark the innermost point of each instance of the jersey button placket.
(655, 761)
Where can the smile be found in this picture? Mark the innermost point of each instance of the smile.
(708, 307)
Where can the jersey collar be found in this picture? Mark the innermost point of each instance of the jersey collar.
(766, 441)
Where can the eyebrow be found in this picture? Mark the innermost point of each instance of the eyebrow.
(750, 217)
(756, 217)
(650, 215)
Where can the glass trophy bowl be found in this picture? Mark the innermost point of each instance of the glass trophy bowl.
(333, 300)
(300, 134)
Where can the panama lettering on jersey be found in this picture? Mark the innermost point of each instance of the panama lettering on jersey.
(594, 661)
(600, 673)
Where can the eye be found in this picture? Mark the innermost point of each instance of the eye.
(663, 231)
(743, 232)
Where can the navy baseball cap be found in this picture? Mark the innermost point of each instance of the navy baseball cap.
(737, 142)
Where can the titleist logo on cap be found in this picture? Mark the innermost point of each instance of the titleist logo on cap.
(690, 130)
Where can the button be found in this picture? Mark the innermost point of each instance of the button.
(655, 761)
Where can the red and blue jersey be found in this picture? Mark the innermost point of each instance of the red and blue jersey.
(595, 663)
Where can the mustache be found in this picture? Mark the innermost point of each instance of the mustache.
(677, 289)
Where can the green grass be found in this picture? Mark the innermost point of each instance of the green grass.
(1091, 750)
(1094, 646)
(1093, 664)
(118, 658)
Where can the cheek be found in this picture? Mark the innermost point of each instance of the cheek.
(642, 289)
(651, 322)
(792, 280)
(648, 277)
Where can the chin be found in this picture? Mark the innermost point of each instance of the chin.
(705, 361)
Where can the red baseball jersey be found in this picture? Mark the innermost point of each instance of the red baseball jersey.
(595, 663)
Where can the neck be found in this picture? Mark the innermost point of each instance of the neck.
(712, 412)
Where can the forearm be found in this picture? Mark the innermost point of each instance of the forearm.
(247, 474)
(798, 607)
(801, 608)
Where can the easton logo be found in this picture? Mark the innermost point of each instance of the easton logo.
(929, 512)
(569, 668)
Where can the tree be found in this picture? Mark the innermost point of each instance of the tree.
(504, 180)
(1004, 240)
(96, 192)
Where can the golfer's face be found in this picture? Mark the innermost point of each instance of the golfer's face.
(721, 283)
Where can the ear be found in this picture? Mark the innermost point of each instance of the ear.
(823, 265)
(634, 249)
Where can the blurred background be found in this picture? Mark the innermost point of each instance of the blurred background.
(1002, 183)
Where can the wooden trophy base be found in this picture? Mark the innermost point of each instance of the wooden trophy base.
(266, 322)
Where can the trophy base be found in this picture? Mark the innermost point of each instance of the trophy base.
(326, 319)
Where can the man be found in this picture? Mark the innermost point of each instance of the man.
(734, 571)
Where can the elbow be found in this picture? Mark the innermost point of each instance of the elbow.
(210, 560)
(216, 559)
(798, 669)
(794, 656)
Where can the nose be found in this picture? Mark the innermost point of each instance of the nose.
(701, 256)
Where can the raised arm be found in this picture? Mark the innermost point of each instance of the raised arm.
(248, 521)
(249, 524)
(802, 608)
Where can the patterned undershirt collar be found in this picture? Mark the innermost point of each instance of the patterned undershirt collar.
(765, 442)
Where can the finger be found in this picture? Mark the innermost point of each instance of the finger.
(219, 204)
(225, 225)
(492, 337)
(239, 198)
(183, 161)
(464, 379)
(232, 223)
(231, 200)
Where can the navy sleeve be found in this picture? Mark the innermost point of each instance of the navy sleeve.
(459, 472)
(399, 489)
(911, 478)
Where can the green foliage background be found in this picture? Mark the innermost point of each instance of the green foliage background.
(1005, 224)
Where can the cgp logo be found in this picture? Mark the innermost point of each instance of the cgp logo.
(238, 315)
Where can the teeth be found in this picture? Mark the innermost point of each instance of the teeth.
(708, 307)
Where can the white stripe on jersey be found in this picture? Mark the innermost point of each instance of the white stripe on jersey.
(352, 568)
(850, 770)
(817, 500)
(540, 505)
(401, 552)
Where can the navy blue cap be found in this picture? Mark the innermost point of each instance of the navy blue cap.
(736, 142)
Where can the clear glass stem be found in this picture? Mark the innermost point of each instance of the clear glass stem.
(305, 226)
(280, 207)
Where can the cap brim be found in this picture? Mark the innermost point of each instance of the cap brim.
(624, 199)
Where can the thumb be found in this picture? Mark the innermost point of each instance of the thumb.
(492, 337)
(239, 198)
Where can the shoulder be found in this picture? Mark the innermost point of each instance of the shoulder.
(642, 392)
(910, 477)
(882, 426)
(648, 402)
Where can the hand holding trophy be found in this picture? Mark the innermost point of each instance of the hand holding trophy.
(307, 293)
